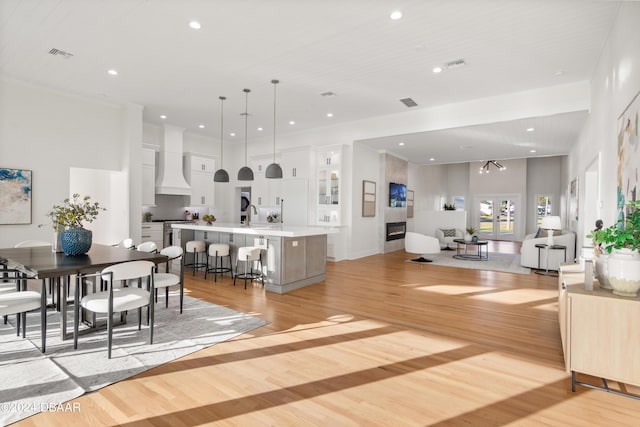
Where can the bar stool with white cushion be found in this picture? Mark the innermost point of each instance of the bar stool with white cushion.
(249, 255)
(196, 247)
(217, 251)
(168, 279)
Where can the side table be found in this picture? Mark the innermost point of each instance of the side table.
(549, 248)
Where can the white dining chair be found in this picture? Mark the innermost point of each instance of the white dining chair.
(167, 279)
(117, 298)
(149, 247)
(31, 244)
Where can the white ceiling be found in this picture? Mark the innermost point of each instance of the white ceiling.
(349, 47)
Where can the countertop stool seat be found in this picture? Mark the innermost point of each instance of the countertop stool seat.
(196, 247)
(217, 251)
(249, 255)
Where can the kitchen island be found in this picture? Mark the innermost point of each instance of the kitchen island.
(292, 256)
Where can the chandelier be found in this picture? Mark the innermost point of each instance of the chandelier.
(485, 168)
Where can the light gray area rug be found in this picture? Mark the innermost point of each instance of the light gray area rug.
(509, 263)
(31, 382)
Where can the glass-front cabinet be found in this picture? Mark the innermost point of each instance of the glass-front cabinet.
(329, 175)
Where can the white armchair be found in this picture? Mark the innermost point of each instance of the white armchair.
(529, 252)
(416, 243)
(447, 235)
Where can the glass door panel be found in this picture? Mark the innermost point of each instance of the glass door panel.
(486, 219)
(506, 219)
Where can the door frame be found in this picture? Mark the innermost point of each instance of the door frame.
(519, 218)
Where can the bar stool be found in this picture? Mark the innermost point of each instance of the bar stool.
(218, 250)
(249, 255)
(196, 247)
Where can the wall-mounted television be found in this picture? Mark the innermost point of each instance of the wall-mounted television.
(397, 195)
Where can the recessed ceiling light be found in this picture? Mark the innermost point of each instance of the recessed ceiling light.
(195, 25)
(431, 159)
(401, 143)
(292, 122)
(232, 134)
(437, 70)
(113, 72)
(532, 151)
(530, 129)
(163, 117)
(329, 114)
(201, 126)
(259, 129)
(395, 15)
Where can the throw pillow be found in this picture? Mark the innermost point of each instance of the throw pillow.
(449, 232)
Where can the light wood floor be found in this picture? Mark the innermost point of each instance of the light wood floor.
(382, 342)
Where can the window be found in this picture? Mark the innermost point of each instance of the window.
(543, 208)
(458, 202)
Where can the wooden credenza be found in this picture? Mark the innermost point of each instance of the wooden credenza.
(600, 331)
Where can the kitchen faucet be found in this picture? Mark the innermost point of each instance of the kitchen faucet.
(251, 206)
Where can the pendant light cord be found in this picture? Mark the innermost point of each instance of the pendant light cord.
(275, 82)
(222, 98)
(246, 119)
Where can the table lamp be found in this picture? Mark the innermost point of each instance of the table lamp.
(551, 223)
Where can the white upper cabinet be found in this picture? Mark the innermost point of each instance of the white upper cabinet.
(328, 179)
(295, 164)
(148, 177)
(200, 171)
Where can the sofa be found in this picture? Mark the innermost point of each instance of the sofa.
(447, 235)
(529, 252)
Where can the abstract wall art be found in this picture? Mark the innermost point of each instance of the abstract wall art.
(15, 196)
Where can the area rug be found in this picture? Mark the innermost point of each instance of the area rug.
(497, 261)
(31, 382)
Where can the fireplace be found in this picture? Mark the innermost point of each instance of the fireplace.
(396, 230)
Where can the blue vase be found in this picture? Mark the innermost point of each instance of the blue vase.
(76, 241)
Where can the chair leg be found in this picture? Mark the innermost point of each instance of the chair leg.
(76, 313)
(109, 333)
(166, 297)
(151, 323)
(181, 296)
(139, 318)
(206, 270)
(24, 324)
(18, 321)
(43, 325)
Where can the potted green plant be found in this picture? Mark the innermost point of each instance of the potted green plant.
(620, 243)
(147, 216)
(210, 219)
(67, 219)
(449, 207)
(470, 232)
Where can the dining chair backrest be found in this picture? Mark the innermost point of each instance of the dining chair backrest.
(126, 243)
(147, 247)
(172, 252)
(128, 270)
(31, 244)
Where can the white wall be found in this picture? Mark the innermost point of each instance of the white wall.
(49, 132)
(544, 176)
(615, 82)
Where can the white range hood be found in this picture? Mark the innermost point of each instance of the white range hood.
(170, 176)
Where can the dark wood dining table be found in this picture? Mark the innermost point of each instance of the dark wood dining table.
(42, 263)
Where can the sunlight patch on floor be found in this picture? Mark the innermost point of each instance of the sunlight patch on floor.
(517, 296)
(454, 289)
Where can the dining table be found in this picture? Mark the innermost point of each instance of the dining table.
(44, 264)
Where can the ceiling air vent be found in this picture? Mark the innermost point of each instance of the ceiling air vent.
(455, 64)
(58, 52)
(409, 102)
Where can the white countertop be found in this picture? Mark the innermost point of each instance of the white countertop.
(259, 229)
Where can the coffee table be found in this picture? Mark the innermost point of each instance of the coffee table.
(479, 256)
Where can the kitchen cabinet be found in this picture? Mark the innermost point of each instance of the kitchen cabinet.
(200, 171)
(148, 177)
(295, 164)
(328, 180)
(152, 232)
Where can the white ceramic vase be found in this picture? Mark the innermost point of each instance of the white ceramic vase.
(602, 270)
(468, 237)
(623, 268)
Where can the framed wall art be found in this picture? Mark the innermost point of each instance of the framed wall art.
(368, 198)
(628, 154)
(15, 196)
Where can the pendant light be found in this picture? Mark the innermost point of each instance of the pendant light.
(221, 175)
(274, 170)
(245, 173)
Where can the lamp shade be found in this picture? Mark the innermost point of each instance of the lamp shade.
(273, 171)
(221, 175)
(245, 174)
(551, 223)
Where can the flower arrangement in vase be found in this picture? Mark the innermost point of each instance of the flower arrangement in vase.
(67, 219)
(210, 219)
(470, 231)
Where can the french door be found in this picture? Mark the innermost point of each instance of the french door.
(498, 217)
